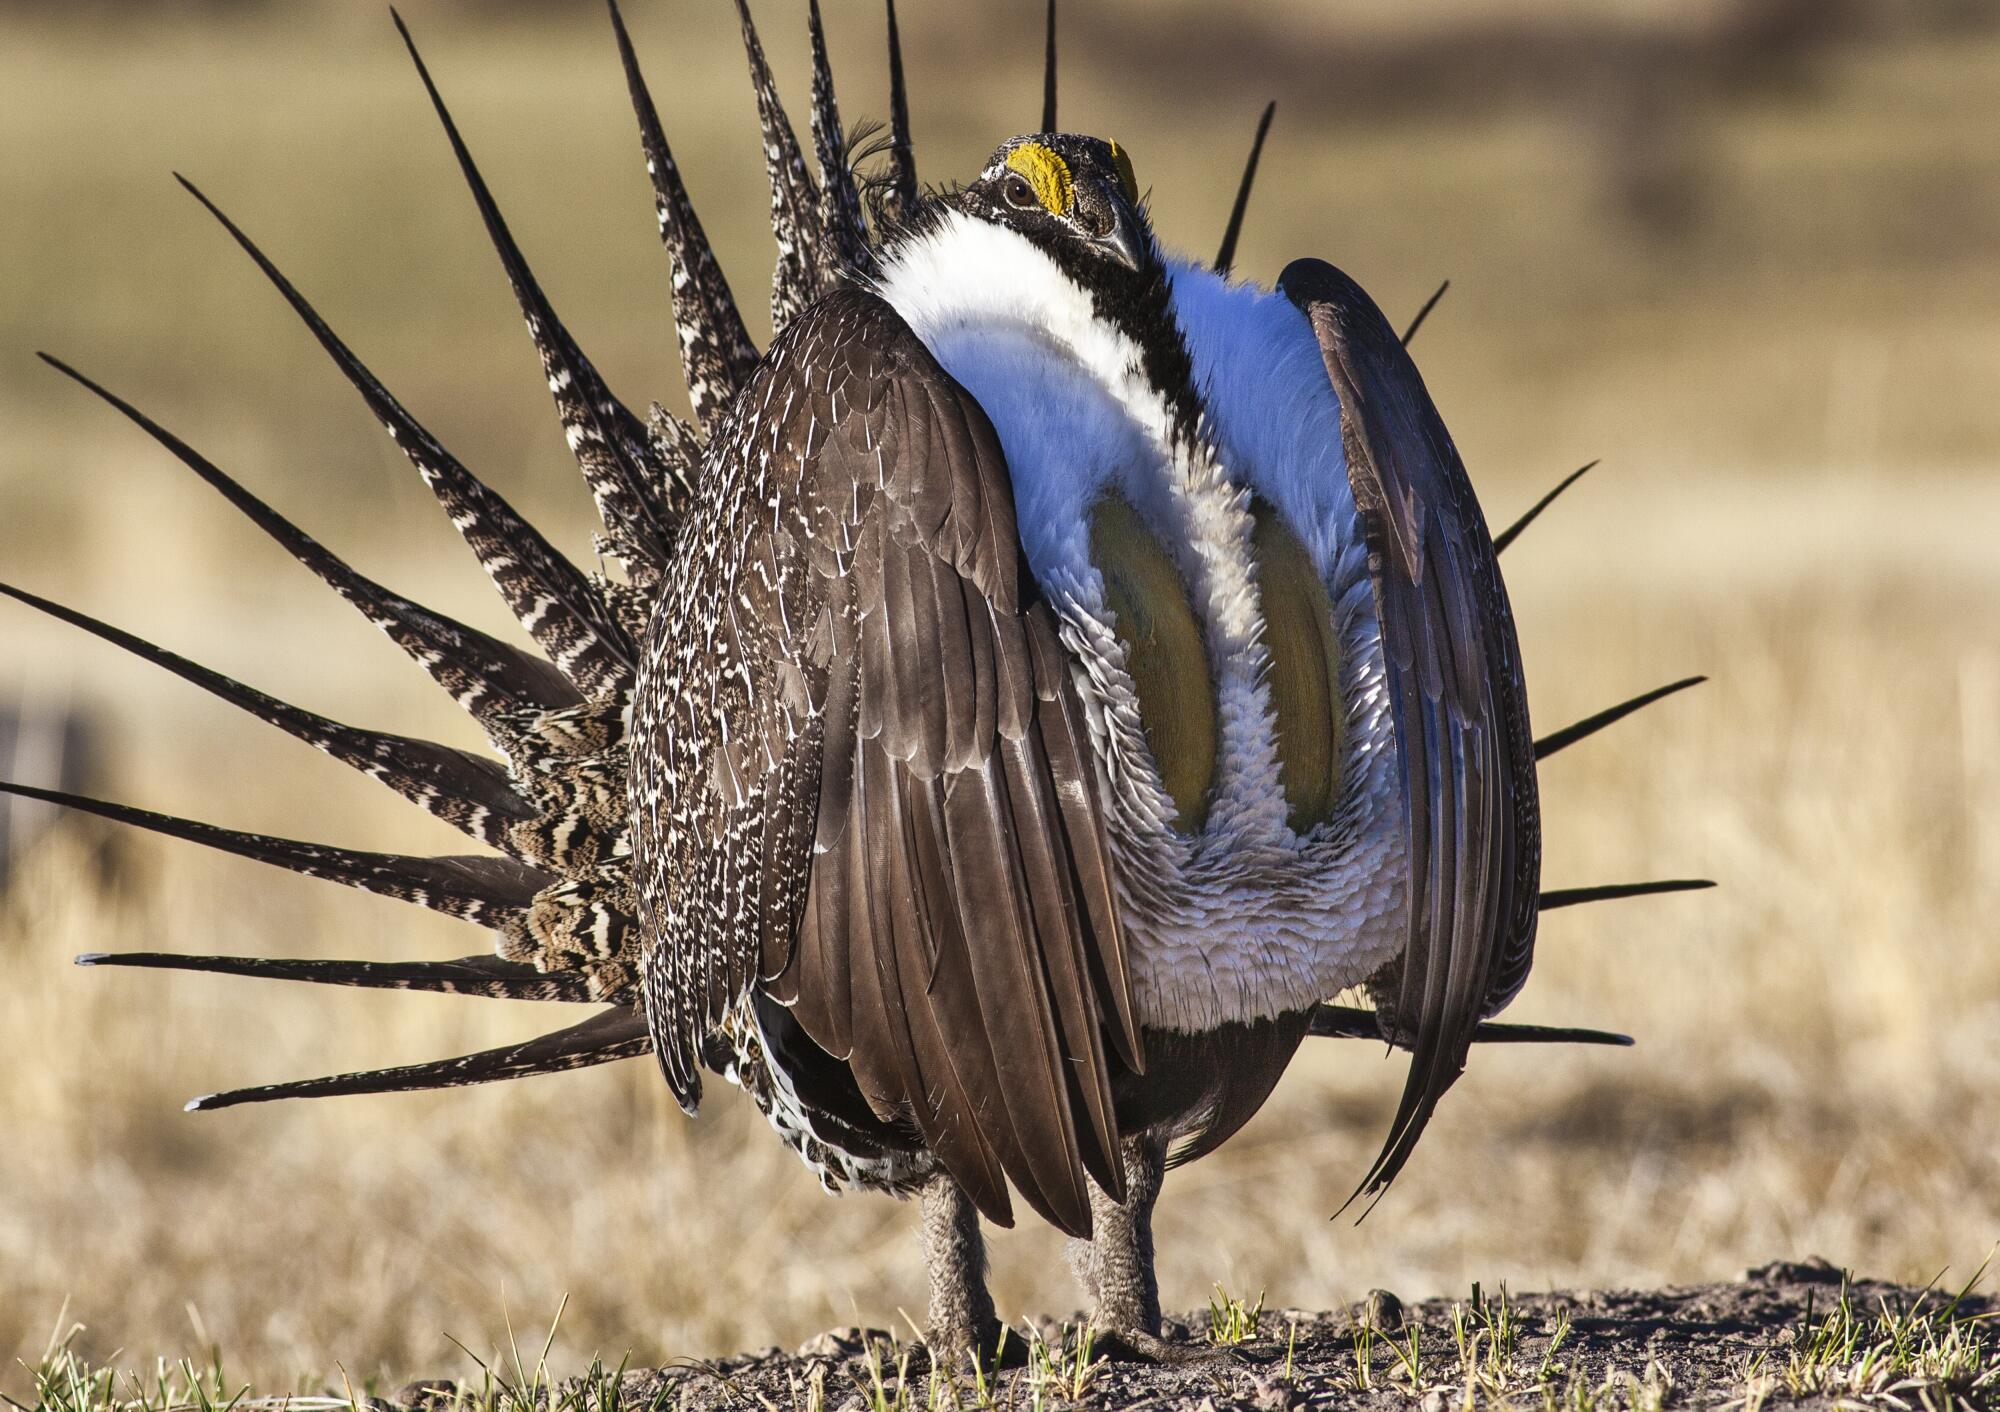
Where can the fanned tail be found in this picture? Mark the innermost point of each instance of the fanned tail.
(562, 903)
(609, 443)
(467, 791)
(553, 600)
(610, 1035)
(717, 354)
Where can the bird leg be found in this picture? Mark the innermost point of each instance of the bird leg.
(1116, 1265)
(962, 1321)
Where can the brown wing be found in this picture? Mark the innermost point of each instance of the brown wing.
(896, 774)
(1454, 674)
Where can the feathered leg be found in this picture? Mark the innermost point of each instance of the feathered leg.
(1117, 1268)
(962, 1321)
(1116, 1264)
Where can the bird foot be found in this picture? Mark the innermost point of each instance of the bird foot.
(1139, 1346)
(989, 1349)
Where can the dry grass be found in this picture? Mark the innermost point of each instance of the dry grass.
(1796, 397)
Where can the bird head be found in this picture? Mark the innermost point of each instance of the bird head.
(1074, 197)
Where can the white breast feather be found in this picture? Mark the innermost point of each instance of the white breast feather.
(1246, 920)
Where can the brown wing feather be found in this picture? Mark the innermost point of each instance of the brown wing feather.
(892, 743)
(1455, 686)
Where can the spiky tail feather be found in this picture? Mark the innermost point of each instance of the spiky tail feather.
(618, 1033)
(469, 792)
(487, 976)
(802, 274)
(716, 352)
(902, 151)
(494, 892)
(1225, 257)
(1424, 313)
(843, 231)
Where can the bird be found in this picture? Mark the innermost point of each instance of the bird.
(1013, 706)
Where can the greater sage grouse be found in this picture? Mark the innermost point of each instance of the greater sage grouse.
(1034, 685)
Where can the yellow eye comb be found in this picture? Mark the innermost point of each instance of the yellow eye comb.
(1047, 173)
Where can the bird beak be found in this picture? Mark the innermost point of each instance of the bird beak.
(1126, 241)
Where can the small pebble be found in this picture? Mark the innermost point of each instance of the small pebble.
(1384, 1312)
(1273, 1392)
(826, 1345)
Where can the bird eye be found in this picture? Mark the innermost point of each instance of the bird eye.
(1018, 192)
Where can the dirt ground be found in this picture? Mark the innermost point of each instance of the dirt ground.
(1791, 1334)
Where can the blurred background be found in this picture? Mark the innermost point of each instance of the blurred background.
(1747, 251)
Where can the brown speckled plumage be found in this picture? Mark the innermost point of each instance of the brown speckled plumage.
(860, 774)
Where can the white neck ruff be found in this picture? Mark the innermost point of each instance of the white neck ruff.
(1246, 919)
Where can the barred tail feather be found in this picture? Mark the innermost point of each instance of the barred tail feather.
(491, 681)
(486, 976)
(717, 354)
(618, 1033)
(902, 152)
(469, 792)
(844, 233)
(493, 892)
(550, 596)
(609, 442)
(798, 279)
